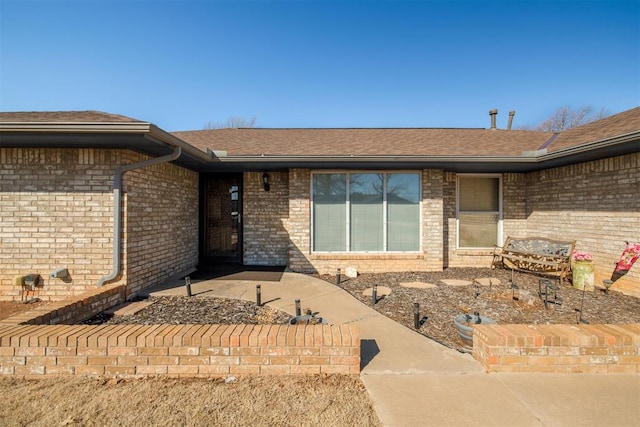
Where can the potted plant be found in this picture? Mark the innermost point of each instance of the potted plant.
(583, 271)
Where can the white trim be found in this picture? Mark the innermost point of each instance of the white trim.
(385, 211)
(500, 207)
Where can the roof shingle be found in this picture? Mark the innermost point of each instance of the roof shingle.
(609, 127)
(64, 117)
(365, 142)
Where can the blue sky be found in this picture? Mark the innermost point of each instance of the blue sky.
(181, 64)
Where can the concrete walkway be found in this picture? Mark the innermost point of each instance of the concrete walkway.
(413, 381)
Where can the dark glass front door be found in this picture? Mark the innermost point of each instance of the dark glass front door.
(222, 219)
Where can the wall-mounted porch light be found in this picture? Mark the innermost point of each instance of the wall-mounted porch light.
(265, 181)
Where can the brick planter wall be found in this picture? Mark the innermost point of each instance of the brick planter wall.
(35, 343)
(178, 350)
(558, 348)
(72, 310)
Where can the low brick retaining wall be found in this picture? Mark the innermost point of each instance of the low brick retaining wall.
(558, 348)
(72, 310)
(47, 340)
(178, 350)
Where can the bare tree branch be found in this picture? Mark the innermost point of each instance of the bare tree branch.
(566, 117)
(234, 122)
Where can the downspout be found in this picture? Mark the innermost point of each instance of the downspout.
(117, 202)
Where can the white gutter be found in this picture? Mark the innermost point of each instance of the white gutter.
(117, 202)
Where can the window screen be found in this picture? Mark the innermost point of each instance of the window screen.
(478, 211)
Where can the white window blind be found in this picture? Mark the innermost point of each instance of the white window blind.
(478, 211)
(366, 212)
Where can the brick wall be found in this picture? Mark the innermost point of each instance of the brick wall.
(266, 241)
(595, 203)
(56, 210)
(558, 348)
(433, 219)
(161, 223)
(299, 224)
(514, 205)
(179, 350)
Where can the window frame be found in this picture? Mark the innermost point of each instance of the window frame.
(348, 173)
(499, 212)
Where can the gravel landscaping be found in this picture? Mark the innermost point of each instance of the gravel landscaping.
(440, 295)
(441, 303)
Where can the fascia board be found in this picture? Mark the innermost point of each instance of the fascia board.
(152, 133)
(373, 159)
(591, 146)
(76, 127)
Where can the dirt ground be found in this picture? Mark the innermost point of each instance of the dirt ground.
(251, 401)
(9, 308)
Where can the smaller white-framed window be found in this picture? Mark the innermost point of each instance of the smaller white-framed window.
(478, 210)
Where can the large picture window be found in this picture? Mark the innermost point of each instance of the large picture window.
(366, 212)
(478, 211)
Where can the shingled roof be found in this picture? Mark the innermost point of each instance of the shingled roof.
(406, 142)
(248, 149)
(618, 125)
(64, 117)
(365, 142)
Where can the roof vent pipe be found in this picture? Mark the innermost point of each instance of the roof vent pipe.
(511, 114)
(493, 113)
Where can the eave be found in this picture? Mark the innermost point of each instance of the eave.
(141, 137)
(148, 139)
(526, 162)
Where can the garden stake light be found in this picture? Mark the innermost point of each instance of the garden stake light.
(338, 278)
(187, 283)
(416, 315)
(607, 284)
(580, 319)
(515, 292)
(298, 312)
(374, 294)
(258, 296)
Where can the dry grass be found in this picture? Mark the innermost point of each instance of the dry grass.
(247, 401)
(332, 400)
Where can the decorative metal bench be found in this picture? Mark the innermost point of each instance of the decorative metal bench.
(537, 255)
